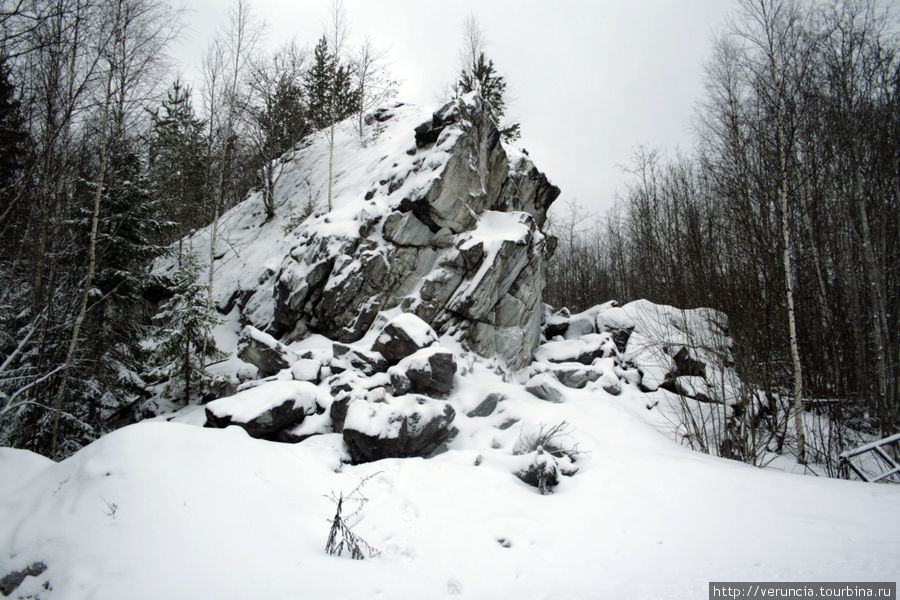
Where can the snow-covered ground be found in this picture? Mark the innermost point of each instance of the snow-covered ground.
(171, 510)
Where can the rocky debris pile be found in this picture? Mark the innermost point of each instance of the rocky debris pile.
(644, 344)
(387, 400)
(392, 393)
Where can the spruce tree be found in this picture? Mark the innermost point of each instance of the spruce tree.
(184, 340)
(13, 139)
(177, 161)
(279, 120)
(481, 77)
(330, 88)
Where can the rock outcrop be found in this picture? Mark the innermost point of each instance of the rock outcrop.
(438, 218)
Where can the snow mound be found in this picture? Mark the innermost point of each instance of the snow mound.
(163, 510)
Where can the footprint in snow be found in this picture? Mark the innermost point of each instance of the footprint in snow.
(409, 511)
(454, 587)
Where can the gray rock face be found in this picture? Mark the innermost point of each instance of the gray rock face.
(461, 246)
(404, 229)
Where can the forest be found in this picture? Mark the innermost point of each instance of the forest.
(784, 216)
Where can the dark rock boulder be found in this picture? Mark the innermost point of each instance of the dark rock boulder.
(266, 409)
(557, 324)
(543, 386)
(582, 350)
(687, 365)
(358, 359)
(12, 580)
(543, 470)
(487, 406)
(429, 371)
(306, 369)
(264, 352)
(402, 336)
(428, 133)
(401, 427)
(575, 375)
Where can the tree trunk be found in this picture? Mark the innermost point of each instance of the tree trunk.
(879, 318)
(789, 297)
(92, 247)
(330, 165)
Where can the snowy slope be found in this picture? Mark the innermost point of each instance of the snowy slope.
(169, 510)
(249, 248)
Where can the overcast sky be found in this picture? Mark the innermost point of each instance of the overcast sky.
(587, 80)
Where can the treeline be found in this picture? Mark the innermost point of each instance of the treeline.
(105, 160)
(786, 216)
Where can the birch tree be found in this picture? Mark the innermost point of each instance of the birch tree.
(227, 65)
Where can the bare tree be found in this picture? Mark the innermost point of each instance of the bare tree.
(109, 49)
(277, 116)
(374, 80)
(229, 63)
(338, 30)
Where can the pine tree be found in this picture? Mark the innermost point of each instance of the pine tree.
(278, 118)
(177, 161)
(184, 341)
(330, 88)
(283, 117)
(13, 139)
(481, 77)
(332, 97)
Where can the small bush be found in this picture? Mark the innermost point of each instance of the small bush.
(550, 456)
(550, 438)
(341, 537)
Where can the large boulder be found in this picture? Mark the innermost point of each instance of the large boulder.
(487, 406)
(575, 375)
(404, 335)
(358, 359)
(429, 371)
(268, 408)
(584, 349)
(263, 351)
(401, 427)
